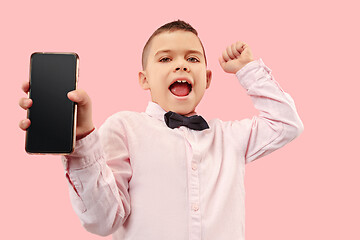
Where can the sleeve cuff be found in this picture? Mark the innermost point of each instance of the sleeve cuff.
(87, 151)
(251, 72)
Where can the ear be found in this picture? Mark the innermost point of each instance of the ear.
(208, 78)
(143, 80)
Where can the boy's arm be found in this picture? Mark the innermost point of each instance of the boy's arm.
(98, 190)
(98, 172)
(278, 122)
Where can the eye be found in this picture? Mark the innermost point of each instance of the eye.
(164, 59)
(192, 59)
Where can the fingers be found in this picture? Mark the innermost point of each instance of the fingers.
(25, 86)
(229, 52)
(233, 51)
(24, 124)
(225, 56)
(240, 46)
(236, 52)
(222, 61)
(25, 103)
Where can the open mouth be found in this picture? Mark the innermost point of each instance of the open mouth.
(180, 88)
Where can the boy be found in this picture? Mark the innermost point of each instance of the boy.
(160, 175)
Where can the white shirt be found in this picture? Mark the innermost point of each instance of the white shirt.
(139, 179)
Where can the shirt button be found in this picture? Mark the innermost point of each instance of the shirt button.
(195, 207)
(193, 166)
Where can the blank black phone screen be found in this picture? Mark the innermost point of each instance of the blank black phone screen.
(52, 114)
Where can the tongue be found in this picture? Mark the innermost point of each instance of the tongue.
(180, 89)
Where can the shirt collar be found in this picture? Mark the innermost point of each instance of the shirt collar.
(154, 110)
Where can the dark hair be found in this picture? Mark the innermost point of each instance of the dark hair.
(169, 27)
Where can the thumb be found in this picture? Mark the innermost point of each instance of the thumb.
(79, 96)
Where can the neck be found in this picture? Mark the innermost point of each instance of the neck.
(190, 114)
(186, 115)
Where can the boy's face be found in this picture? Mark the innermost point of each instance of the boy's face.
(176, 72)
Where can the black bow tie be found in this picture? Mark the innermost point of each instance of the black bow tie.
(174, 120)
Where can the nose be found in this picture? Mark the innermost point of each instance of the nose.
(183, 68)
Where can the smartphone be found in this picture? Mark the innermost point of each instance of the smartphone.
(52, 114)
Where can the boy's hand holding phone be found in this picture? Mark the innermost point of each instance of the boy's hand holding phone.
(84, 112)
(84, 124)
(235, 57)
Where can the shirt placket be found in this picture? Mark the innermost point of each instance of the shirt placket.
(193, 162)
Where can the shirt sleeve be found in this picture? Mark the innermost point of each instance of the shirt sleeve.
(278, 122)
(98, 172)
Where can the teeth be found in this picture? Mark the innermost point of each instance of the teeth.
(181, 81)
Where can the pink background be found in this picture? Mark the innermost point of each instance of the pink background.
(307, 190)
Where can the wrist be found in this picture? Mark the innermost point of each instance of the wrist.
(243, 64)
(84, 134)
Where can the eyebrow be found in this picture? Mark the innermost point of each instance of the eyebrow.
(170, 51)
